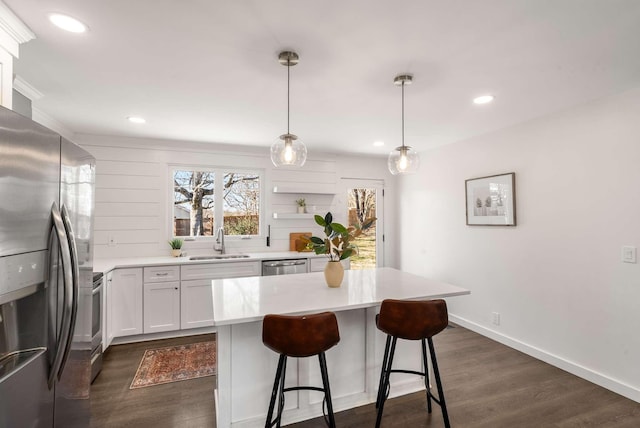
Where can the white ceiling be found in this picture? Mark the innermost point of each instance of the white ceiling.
(206, 70)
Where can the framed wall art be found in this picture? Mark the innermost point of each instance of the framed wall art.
(491, 201)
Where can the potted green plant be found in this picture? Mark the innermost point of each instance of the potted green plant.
(338, 245)
(176, 247)
(302, 205)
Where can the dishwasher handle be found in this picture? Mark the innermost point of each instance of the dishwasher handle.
(285, 263)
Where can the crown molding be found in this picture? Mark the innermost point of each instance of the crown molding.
(14, 26)
(22, 86)
(44, 119)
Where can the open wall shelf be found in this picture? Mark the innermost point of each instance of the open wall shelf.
(291, 216)
(306, 188)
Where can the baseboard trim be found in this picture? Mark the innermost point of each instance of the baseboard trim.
(163, 335)
(576, 369)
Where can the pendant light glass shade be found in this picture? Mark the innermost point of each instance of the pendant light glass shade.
(288, 150)
(403, 160)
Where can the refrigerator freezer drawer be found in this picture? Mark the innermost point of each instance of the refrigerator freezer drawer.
(26, 399)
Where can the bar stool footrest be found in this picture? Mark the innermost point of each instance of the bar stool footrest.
(407, 372)
(303, 388)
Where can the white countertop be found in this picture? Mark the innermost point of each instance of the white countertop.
(106, 265)
(241, 300)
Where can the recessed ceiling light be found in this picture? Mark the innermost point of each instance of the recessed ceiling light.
(378, 143)
(484, 99)
(67, 23)
(135, 119)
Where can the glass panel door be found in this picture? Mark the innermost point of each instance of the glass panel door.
(364, 200)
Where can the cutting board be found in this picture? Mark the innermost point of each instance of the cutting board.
(297, 244)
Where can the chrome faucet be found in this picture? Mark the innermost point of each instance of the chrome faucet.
(219, 245)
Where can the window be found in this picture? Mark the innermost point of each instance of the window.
(202, 202)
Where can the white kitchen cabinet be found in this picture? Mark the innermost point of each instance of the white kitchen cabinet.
(196, 304)
(107, 307)
(317, 264)
(126, 302)
(161, 306)
(161, 299)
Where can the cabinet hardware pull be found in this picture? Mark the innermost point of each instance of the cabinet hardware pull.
(162, 274)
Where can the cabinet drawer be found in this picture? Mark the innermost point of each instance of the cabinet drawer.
(220, 270)
(161, 273)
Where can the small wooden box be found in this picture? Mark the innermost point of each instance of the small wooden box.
(296, 243)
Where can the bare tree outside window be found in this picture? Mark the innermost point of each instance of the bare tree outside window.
(241, 204)
(193, 197)
(361, 203)
(194, 204)
(364, 203)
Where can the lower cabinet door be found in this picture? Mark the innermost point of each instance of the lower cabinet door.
(196, 303)
(125, 309)
(161, 306)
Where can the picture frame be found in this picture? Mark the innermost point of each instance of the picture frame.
(491, 200)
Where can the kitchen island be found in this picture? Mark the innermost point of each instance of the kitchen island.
(246, 368)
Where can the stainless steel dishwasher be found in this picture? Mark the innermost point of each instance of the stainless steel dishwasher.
(284, 267)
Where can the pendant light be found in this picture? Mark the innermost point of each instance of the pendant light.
(403, 160)
(288, 150)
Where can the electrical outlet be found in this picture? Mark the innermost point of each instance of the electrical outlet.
(495, 318)
(628, 254)
(111, 240)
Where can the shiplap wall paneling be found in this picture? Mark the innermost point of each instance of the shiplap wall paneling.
(133, 191)
(129, 207)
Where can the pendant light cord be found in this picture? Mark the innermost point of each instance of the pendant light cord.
(288, 90)
(403, 113)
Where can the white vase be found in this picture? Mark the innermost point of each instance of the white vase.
(302, 210)
(333, 274)
(176, 253)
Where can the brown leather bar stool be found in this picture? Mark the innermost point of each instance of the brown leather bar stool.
(411, 320)
(300, 336)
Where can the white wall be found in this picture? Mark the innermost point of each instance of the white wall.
(556, 278)
(133, 190)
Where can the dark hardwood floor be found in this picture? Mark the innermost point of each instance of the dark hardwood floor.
(486, 384)
(185, 404)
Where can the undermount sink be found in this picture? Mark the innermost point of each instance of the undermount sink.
(219, 257)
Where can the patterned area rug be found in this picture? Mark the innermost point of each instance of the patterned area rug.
(175, 363)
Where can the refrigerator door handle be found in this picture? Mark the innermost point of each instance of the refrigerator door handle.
(67, 275)
(75, 270)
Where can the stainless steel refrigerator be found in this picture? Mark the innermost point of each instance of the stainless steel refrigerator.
(46, 261)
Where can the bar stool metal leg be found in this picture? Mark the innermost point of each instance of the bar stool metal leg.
(384, 364)
(327, 390)
(274, 392)
(425, 363)
(436, 373)
(385, 386)
(281, 400)
(278, 391)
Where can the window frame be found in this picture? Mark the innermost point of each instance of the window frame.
(218, 207)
